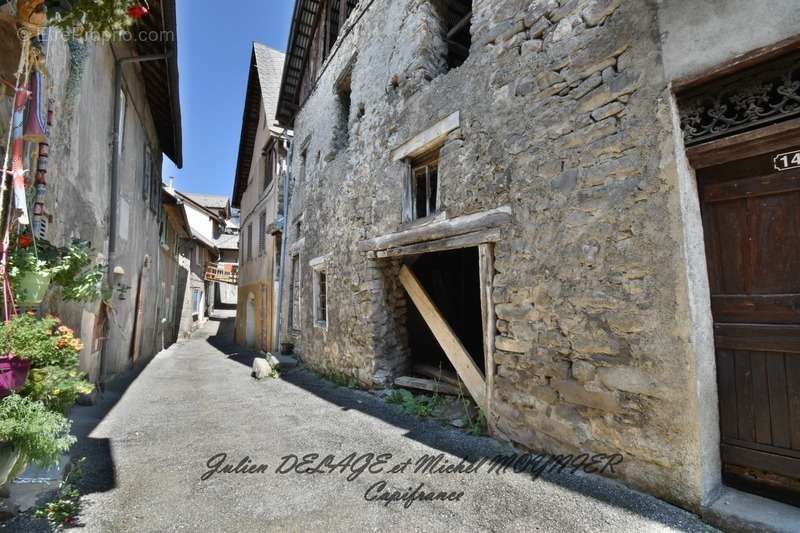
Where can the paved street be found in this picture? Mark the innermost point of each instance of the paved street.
(148, 448)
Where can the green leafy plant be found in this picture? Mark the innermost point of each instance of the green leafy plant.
(42, 435)
(57, 388)
(64, 509)
(419, 406)
(45, 341)
(70, 268)
(342, 379)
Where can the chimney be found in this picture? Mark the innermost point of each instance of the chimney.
(171, 185)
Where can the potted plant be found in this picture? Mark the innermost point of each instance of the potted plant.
(104, 19)
(33, 266)
(13, 373)
(51, 350)
(31, 432)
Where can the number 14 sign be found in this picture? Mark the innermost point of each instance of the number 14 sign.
(787, 161)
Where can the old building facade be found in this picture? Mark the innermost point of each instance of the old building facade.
(258, 192)
(514, 176)
(106, 146)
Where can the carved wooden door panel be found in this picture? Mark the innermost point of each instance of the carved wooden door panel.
(751, 221)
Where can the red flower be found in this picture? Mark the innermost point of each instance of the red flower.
(25, 240)
(137, 12)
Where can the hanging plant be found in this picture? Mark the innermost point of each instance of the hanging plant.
(105, 18)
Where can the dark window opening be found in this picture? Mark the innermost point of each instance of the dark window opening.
(294, 296)
(424, 184)
(269, 167)
(457, 20)
(452, 281)
(262, 233)
(322, 298)
(337, 13)
(344, 96)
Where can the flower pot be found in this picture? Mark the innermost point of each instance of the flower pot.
(9, 455)
(13, 373)
(31, 288)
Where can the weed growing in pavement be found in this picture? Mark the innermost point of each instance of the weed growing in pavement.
(420, 406)
(64, 510)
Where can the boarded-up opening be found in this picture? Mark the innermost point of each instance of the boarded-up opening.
(451, 279)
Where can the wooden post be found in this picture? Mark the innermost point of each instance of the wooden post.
(455, 351)
(486, 274)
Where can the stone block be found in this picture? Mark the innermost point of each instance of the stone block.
(515, 311)
(585, 86)
(531, 46)
(622, 84)
(573, 392)
(589, 134)
(614, 108)
(261, 368)
(583, 371)
(632, 380)
(537, 30)
(511, 345)
(598, 10)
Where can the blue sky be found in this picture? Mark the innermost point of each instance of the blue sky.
(214, 43)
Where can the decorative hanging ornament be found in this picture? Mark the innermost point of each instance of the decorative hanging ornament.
(137, 12)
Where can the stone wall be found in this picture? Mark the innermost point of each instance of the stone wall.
(565, 115)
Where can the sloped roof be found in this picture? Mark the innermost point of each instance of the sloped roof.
(214, 201)
(228, 242)
(263, 86)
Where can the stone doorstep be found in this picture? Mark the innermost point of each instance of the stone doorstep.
(29, 486)
(737, 511)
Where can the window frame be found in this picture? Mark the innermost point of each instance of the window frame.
(320, 288)
(296, 293)
(262, 233)
(427, 161)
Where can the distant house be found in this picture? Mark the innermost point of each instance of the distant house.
(258, 191)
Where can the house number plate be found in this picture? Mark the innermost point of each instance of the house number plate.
(787, 161)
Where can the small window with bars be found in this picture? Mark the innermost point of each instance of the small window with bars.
(262, 233)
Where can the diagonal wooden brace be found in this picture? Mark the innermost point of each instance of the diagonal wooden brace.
(469, 373)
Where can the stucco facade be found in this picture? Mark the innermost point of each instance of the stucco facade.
(561, 129)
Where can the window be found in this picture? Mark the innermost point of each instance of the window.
(148, 163)
(278, 243)
(321, 298)
(197, 257)
(456, 17)
(344, 93)
(262, 233)
(250, 241)
(294, 294)
(424, 184)
(269, 166)
(197, 301)
(155, 188)
(303, 157)
(320, 290)
(338, 11)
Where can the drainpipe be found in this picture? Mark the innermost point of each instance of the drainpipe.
(284, 238)
(114, 187)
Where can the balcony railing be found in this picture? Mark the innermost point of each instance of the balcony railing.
(222, 272)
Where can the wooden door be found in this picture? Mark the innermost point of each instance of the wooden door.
(751, 221)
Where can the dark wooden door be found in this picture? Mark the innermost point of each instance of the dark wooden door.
(751, 221)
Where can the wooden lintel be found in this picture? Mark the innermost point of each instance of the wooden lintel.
(486, 278)
(440, 229)
(465, 367)
(461, 241)
(772, 138)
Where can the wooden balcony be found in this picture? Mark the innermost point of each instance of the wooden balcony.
(222, 272)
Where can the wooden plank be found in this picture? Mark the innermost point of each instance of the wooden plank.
(744, 396)
(770, 308)
(462, 241)
(787, 466)
(486, 277)
(761, 412)
(793, 394)
(726, 376)
(451, 345)
(779, 407)
(767, 139)
(762, 337)
(431, 385)
(775, 183)
(440, 229)
(438, 374)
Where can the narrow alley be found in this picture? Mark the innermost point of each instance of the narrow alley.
(147, 448)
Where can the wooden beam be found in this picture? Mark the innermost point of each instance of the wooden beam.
(452, 346)
(486, 275)
(408, 382)
(439, 229)
(437, 374)
(461, 241)
(459, 25)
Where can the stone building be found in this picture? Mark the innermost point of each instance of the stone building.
(258, 192)
(529, 180)
(106, 147)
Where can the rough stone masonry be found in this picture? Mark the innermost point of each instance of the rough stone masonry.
(565, 115)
